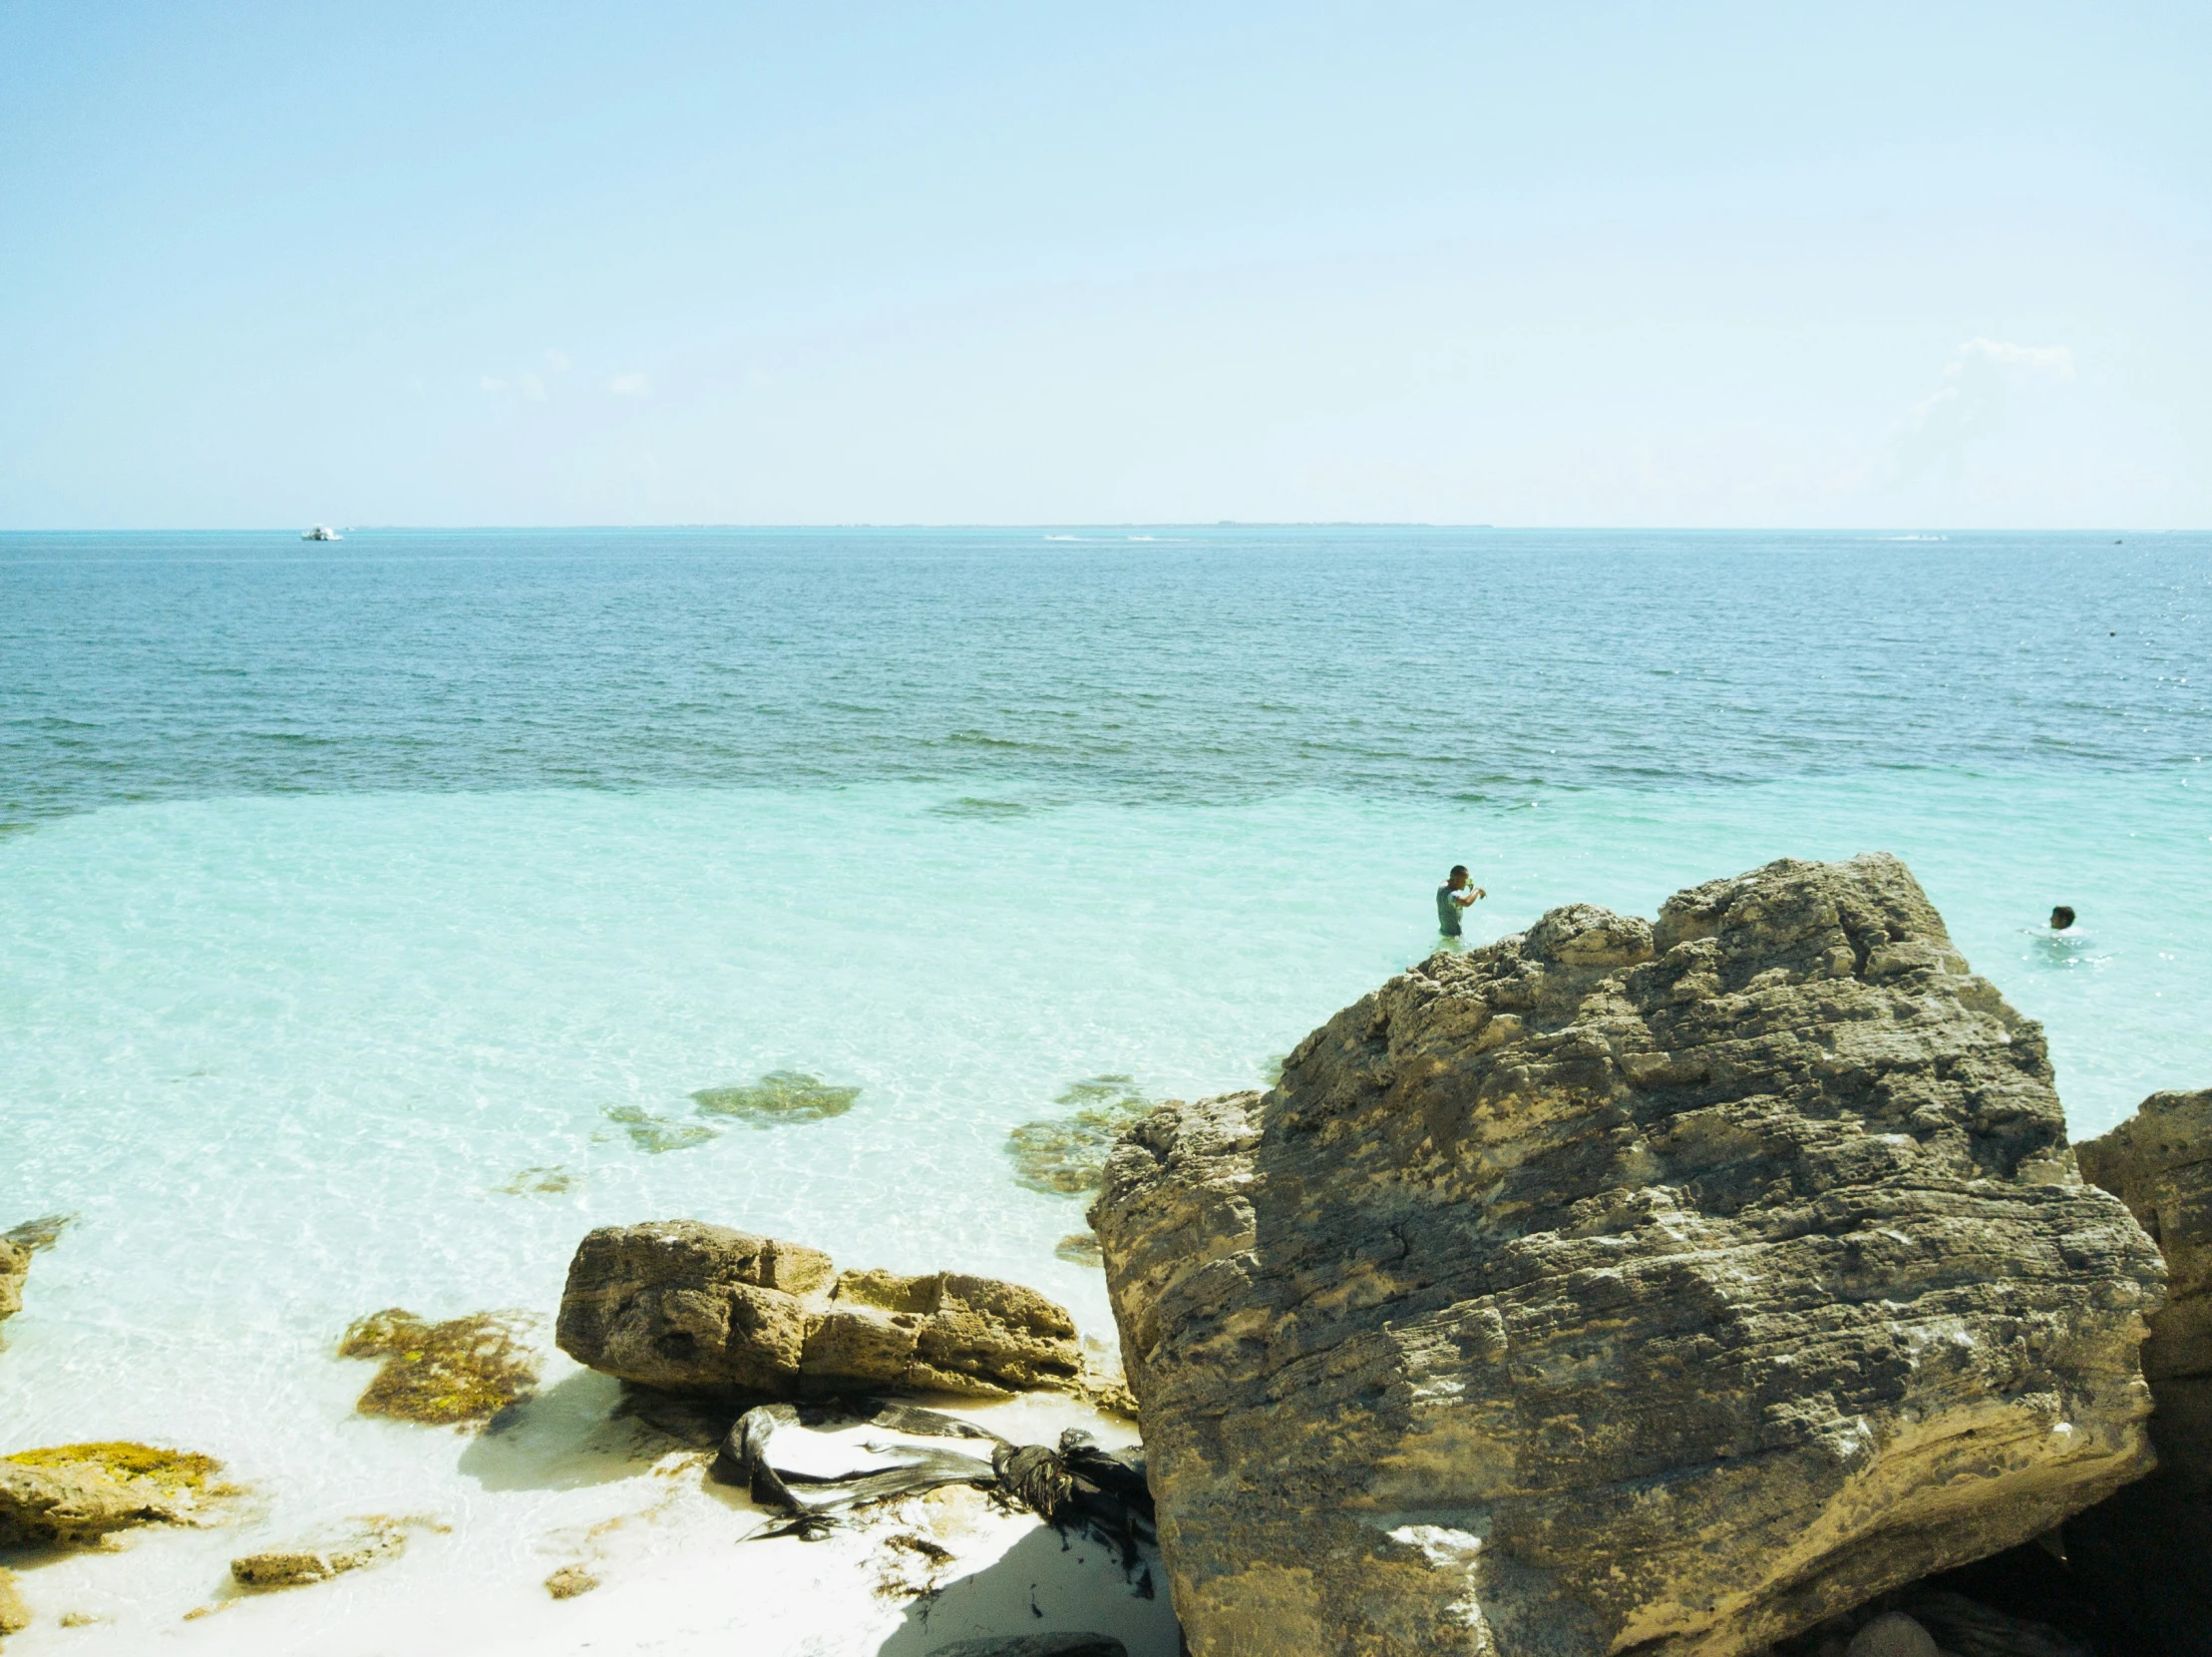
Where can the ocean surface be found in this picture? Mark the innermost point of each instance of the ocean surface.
(369, 912)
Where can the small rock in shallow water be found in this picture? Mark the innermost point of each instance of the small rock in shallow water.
(1892, 1634)
(569, 1581)
(657, 1135)
(779, 1096)
(1080, 1248)
(443, 1373)
(1066, 1155)
(293, 1567)
(77, 1493)
(15, 1616)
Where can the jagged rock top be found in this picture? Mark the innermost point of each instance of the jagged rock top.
(1626, 1285)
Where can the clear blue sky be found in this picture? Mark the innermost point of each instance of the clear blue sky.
(1692, 264)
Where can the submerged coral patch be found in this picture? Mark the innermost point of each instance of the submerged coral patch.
(443, 1373)
(779, 1096)
(1066, 1155)
(656, 1134)
(538, 1182)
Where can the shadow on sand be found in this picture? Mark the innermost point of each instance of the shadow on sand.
(563, 1438)
(1045, 1584)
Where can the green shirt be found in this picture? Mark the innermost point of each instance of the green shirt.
(1448, 909)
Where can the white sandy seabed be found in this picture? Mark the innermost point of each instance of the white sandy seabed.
(675, 1556)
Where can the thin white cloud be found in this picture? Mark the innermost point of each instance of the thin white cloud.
(627, 385)
(559, 361)
(1978, 361)
(2042, 359)
(491, 383)
(532, 387)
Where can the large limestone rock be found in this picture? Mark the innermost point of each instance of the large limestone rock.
(1620, 1287)
(695, 1307)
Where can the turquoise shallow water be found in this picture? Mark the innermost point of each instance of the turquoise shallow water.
(307, 949)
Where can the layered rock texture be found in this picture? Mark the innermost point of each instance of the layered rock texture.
(1620, 1287)
(2148, 1550)
(693, 1308)
(2159, 1162)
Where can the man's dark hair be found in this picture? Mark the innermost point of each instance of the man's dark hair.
(2062, 918)
(1459, 868)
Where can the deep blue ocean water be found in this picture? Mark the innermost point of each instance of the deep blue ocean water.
(369, 912)
(1164, 664)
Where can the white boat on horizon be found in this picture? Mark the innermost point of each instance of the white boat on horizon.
(322, 532)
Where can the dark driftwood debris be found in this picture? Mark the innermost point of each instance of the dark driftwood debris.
(1073, 1485)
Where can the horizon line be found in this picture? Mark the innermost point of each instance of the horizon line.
(1136, 524)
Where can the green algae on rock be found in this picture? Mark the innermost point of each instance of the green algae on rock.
(656, 1134)
(443, 1373)
(76, 1493)
(1066, 1155)
(779, 1096)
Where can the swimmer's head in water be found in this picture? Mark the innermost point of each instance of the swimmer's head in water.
(2062, 918)
(1459, 876)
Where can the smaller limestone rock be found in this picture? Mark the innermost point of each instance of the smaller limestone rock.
(293, 1567)
(1893, 1634)
(77, 1493)
(442, 1373)
(696, 1307)
(1080, 1248)
(1036, 1645)
(15, 1616)
(569, 1581)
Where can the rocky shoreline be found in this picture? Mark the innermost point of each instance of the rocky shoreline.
(1723, 1283)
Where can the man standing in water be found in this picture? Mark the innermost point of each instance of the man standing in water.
(1452, 899)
